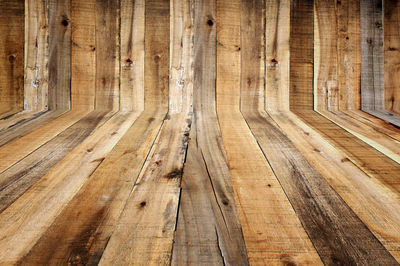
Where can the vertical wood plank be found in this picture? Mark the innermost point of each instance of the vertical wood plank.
(348, 54)
(372, 50)
(145, 228)
(301, 55)
(11, 56)
(59, 54)
(132, 55)
(208, 229)
(107, 54)
(36, 55)
(326, 91)
(83, 57)
(392, 55)
(277, 55)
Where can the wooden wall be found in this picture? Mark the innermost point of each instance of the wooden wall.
(11, 56)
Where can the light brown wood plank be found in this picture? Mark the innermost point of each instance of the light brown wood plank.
(132, 55)
(107, 54)
(83, 54)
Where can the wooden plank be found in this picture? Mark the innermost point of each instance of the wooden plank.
(29, 140)
(372, 64)
(369, 198)
(348, 54)
(24, 174)
(88, 227)
(107, 54)
(351, 183)
(132, 55)
(277, 55)
(145, 230)
(260, 200)
(106, 197)
(59, 54)
(208, 229)
(320, 209)
(302, 50)
(337, 72)
(29, 217)
(83, 54)
(11, 57)
(392, 55)
(36, 55)
(326, 90)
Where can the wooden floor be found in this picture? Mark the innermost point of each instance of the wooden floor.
(198, 132)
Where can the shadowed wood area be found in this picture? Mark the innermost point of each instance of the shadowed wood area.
(199, 132)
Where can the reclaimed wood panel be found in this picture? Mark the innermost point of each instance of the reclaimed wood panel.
(132, 55)
(391, 22)
(83, 54)
(372, 49)
(306, 189)
(107, 54)
(205, 132)
(208, 228)
(36, 55)
(59, 54)
(12, 24)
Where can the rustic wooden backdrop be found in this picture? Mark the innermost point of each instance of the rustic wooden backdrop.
(197, 132)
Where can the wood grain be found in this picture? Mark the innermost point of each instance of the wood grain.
(204, 132)
(391, 55)
(259, 197)
(372, 64)
(36, 55)
(208, 218)
(59, 54)
(107, 54)
(132, 55)
(83, 54)
(11, 57)
(317, 205)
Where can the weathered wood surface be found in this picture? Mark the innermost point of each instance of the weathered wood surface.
(317, 205)
(59, 54)
(391, 23)
(260, 199)
(11, 57)
(337, 74)
(372, 64)
(196, 132)
(208, 228)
